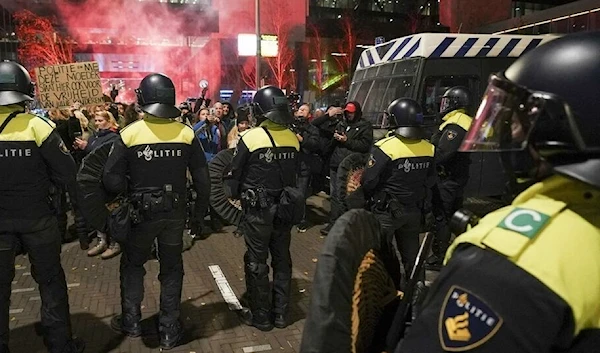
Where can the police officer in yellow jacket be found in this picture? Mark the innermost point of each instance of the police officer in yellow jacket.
(453, 167)
(399, 173)
(527, 277)
(149, 163)
(265, 162)
(32, 157)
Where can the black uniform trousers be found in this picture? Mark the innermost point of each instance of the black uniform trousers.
(405, 228)
(264, 233)
(136, 251)
(447, 198)
(534, 319)
(41, 240)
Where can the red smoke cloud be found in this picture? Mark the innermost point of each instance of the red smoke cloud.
(133, 38)
(130, 31)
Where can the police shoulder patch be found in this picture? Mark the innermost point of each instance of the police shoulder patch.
(451, 135)
(371, 161)
(63, 147)
(526, 222)
(466, 321)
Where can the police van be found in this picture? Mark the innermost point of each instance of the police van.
(423, 66)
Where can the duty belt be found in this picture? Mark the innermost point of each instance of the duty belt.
(258, 197)
(145, 204)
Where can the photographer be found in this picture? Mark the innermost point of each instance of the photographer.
(310, 162)
(351, 135)
(186, 115)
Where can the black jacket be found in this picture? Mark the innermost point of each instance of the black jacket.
(257, 163)
(360, 139)
(401, 168)
(310, 147)
(99, 138)
(155, 152)
(32, 158)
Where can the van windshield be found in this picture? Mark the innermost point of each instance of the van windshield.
(376, 87)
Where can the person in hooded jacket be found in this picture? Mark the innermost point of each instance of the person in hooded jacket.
(228, 119)
(352, 135)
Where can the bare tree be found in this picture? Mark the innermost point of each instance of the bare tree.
(39, 43)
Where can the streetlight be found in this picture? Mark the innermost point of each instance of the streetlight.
(258, 53)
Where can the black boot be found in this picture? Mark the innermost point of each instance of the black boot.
(261, 320)
(280, 320)
(131, 329)
(170, 336)
(76, 345)
(257, 287)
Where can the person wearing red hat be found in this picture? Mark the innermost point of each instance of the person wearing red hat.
(352, 134)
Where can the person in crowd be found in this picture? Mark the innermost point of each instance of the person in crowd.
(208, 133)
(38, 158)
(310, 162)
(398, 175)
(352, 134)
(243, 123)
(229, 116)
(106, 132)
(525, 278)
(136, 167)
(263, 165)
(453, 168)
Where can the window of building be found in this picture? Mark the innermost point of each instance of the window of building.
(579, 23)
(595, 20)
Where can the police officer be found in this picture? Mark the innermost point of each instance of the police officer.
(26, 143)
(527, 277)
(453, 168)
(138, 166)
(399, 172)
(264, 163)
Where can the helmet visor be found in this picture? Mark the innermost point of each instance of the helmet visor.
(385, 121)
(445, 104)
(505, 118)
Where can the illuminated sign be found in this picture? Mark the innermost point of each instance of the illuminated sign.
(247, 45)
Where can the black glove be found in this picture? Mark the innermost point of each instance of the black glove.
(196, 230)
(427, 221)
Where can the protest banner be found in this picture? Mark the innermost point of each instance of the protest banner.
(59, 86)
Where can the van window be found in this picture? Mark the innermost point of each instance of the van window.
(435, 86)
(382, 93)
(362, 88)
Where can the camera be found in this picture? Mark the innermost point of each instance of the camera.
(295, 100)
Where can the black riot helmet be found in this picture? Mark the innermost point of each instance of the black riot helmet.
(156, 96)
(271, 103)
(546, 101)
(15, 84)
(457, 97)
(405, 116)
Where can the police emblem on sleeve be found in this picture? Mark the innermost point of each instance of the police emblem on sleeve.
(371, 161)
(466, 321)
(451, 135)
(63, 148)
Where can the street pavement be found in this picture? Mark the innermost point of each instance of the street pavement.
(210, 326)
